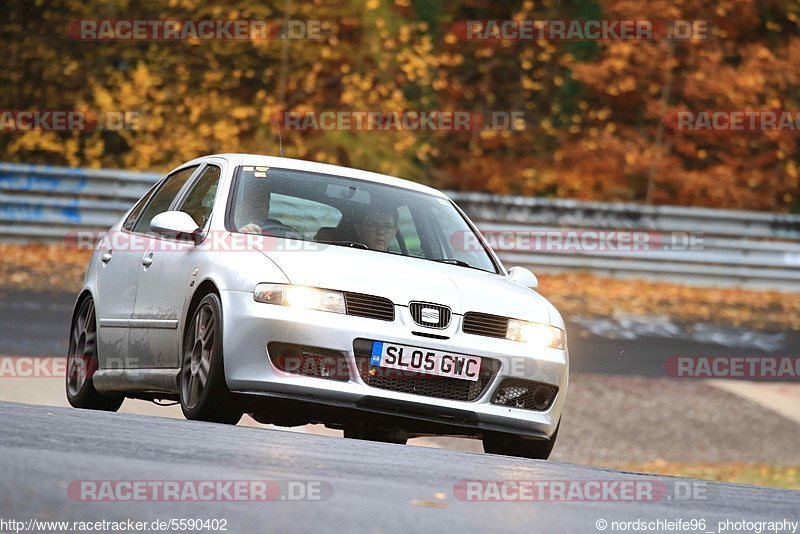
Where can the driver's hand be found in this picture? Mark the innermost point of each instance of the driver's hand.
(251, 228)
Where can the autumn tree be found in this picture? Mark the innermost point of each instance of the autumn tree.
(593, 110)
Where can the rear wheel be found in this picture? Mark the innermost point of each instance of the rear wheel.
(513, 445)
(82, 363)
(204, 395)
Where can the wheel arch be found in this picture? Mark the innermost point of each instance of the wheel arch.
(204, 288)
(86, 293)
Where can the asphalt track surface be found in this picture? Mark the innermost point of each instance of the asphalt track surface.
(371, 487)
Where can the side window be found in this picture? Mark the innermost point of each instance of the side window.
(137, 209)
(200, 200)
(163, 198)
(408, 233)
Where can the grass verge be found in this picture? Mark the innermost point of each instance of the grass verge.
(787, 477)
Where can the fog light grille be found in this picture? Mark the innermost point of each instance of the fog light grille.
(525, 394)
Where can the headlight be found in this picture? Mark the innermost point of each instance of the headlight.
(540, 335)
(309, 298)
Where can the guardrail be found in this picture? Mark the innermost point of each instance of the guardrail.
(750, 249)
(41, 202)
(737, 248)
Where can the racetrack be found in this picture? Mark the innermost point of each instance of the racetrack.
(374, 487)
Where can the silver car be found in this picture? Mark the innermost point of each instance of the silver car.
(301, 293)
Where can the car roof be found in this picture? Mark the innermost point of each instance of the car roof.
(322, 168)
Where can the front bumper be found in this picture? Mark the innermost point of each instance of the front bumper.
(249, 326)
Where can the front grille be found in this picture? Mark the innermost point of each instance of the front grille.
(309, 361)
(430, 315)
(483, 324)
(525, 394)
(422, 384)
(369, 306)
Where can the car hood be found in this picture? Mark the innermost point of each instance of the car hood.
(404, 279)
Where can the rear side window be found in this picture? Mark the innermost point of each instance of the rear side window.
(163, 198)
(200, 200)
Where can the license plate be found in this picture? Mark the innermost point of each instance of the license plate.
(425, 361)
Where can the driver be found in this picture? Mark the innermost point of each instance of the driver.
(250, 213)
(255, 210)
(378, 228)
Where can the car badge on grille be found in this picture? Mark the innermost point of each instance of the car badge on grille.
(430, 315)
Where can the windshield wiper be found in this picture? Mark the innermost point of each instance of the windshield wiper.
(351, 244)
(460, 263)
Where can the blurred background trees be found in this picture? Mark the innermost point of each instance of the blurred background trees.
(594, 110)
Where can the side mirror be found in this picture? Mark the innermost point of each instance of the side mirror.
(176, 224)
(524, 277)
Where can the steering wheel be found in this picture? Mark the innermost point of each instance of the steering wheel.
(277, 229)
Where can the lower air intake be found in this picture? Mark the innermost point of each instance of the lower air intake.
(525, 394)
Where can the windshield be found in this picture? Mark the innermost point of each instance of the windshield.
(353, 213)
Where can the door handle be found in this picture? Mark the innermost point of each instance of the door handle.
(106, 257)
(147, 259)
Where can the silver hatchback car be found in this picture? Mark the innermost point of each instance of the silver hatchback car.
(300, 293)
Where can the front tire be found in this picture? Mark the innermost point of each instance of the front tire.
(204, 395)
(513, 445)
(82, 363)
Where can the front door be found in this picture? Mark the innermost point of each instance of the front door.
(165, 278)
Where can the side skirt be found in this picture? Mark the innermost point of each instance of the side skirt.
(136, 381)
